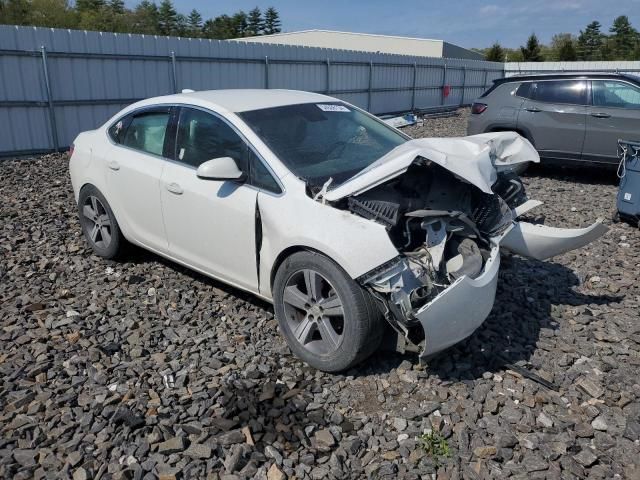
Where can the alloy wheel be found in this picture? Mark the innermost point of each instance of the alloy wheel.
(314, 312)
(98, 222)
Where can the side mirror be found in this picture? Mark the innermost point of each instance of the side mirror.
(222, 168)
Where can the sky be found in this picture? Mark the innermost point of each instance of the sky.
(467, 23)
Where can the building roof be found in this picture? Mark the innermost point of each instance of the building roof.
(367, 42)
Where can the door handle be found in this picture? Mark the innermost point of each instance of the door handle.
(113, 165)
(533, 109)
(600, 115)
(174, 188)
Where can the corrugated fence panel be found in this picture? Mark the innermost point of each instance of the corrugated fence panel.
(92, 75)
(516, 68)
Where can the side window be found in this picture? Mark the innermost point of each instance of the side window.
(260, 176)
(615, 94)
(203, 136)
(525, 90)
(147, 132)
(573, 92)
(118, 129)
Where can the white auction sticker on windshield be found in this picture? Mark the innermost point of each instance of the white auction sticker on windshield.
(332, 108)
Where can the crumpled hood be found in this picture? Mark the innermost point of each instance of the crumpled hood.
(473, 159)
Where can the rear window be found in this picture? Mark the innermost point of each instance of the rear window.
(573, 92)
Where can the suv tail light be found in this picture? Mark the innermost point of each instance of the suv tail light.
(478, 107)
(71, 150)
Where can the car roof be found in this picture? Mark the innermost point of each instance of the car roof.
(241, 100)
(563, 75)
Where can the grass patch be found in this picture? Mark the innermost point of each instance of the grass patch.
(435, 446)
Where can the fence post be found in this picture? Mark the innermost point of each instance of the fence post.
(444, 82)
(484, 82)
(52, 114)
(413, 94)
(174, 77)
(464, 84)
(266, 72)
(370, 86)
(328, 77)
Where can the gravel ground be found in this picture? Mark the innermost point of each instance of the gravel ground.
(142, 369)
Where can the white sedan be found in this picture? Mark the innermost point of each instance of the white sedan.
(347, 225)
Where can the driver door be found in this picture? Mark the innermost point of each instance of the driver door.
(210, 224)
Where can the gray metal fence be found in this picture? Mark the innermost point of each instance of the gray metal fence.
(618, 66)
(55, 83)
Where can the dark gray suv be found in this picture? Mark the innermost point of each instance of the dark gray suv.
(567, 117)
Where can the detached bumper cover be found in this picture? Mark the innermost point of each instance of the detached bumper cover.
(460, 309)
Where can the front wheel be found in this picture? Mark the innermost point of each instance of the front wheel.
(327, 319)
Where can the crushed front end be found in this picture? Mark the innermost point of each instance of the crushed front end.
(442, 285)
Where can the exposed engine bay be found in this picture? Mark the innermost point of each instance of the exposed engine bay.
(448, 207)
(442, 227)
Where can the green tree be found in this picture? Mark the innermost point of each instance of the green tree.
(255, 24)
(495, 53)
(194, 22)
(167, 18)
(563, 47)
(531, 52)
(117, 7)
(89, 5)
(271, 22)
(219, 28)
(146, 18)
(52, 13)
(590, 42)
(624, 39)
(14, 12)
(240, 24)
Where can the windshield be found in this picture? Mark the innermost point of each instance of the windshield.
(318, 141)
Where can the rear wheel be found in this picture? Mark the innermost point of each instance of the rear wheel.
(328, 320)
(99, 224)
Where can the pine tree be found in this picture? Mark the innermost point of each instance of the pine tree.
(89, 5)
(590, 42)
(14, 12)
(495, 53)
(624, 38)
(194, 22)
(116, 6)
(167, 18)
(240, 24)
(219, 28)
(271, 21)
(255, 23)
(531, 52)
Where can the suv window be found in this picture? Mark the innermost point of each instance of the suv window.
(610, 93)
(203, 136)
(147, 131)
(525, 90)
(572, 92)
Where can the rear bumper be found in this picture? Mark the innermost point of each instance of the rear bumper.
(460, 309)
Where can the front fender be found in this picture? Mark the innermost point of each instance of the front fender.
(356, 244)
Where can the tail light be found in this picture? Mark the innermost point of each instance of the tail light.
(71, 150)
(478, 107)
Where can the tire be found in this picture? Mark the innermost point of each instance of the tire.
(310, 319)
(99, 224)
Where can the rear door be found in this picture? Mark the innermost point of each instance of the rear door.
(555, 117)
(134, 167)
(614, 114)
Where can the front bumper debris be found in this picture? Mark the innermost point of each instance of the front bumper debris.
(459, 310)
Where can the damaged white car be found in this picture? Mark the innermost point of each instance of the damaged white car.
(341, 221)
